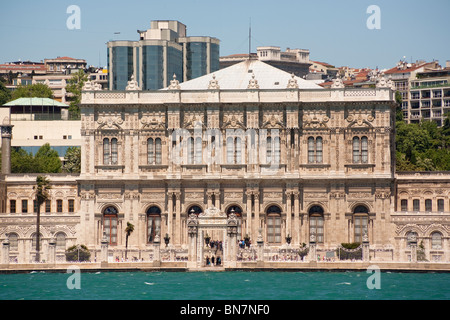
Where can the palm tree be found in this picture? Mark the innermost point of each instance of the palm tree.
(42, 187)
(128, 230)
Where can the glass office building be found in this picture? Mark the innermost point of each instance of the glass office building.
(162, 51)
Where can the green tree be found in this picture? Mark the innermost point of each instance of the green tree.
(47, 160)
(128, 231)
(37, 90)
(72, 160)
(22, 161)
(5, 94)
(42, 194)
(74, 86)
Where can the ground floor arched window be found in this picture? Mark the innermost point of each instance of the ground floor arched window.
(316, 223)
(60, 241)
(360, 223)
(110, 222)
(153, 223)
(273, 224)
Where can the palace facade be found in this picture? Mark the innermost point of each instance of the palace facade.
(287, 160)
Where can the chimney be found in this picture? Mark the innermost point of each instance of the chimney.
(6, 145)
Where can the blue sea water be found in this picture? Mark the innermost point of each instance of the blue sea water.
(233, 285)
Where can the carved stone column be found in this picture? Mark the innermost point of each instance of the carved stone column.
(296, 233)
(192, 226)
(260, 242)
(365, 248)
(232, 241)
(177, 230)
(288, 213)
(104, 249)
(312, 248)
(156, 250)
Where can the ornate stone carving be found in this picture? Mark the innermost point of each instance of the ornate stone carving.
(233, 121)
(91, 86)
(253, 83)
(360, 120)
(338, 82)
(292, 83)
(153, 122)
(315, 121)
(273, 121)
(110, 122)
(174, 83)
(213, 84)
(132, 84)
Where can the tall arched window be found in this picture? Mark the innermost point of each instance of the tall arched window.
(110, 221)
(110, 151)
(316, 223)
(153, 222)
(13, 241)
(190, 150)
(60, 241)
(33, 241)
(238, 151)
(230, 150)
(114, 151)
(315, 150)
(360, 222)
(273, 218)
(150, 151)
(436, 240)
(154, 150)
(198, 150)
(106, 151)
(360, 150)
(269, 150)
(277, 150)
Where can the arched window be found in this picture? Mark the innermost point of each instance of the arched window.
(106, 151)
(195, 209)
(154, 151)
(110, 221)
(316, 223)
(114, 151)
(150, 151)
(230, 150)
(190, 150)
(13, 241)
(33, 241)
(153, 222)
(238, 151)
(277, 150)
(237, 210)
(110, 151)
(269, 150)
(436, 240)
(356, 150)
(319, 150)
(273, 216)
(360, 222)
(198, 150)
(315, 150)
(60, 241)
(360, 150)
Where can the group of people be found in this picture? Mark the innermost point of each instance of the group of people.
(210, 262)
(242, 244)
(215, 244)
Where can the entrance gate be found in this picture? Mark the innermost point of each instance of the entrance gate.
(212, 221)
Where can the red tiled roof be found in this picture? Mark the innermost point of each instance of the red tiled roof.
(406, 70)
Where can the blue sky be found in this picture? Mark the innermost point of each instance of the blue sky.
(334, 31)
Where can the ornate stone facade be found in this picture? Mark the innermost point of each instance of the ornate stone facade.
(286, 163)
